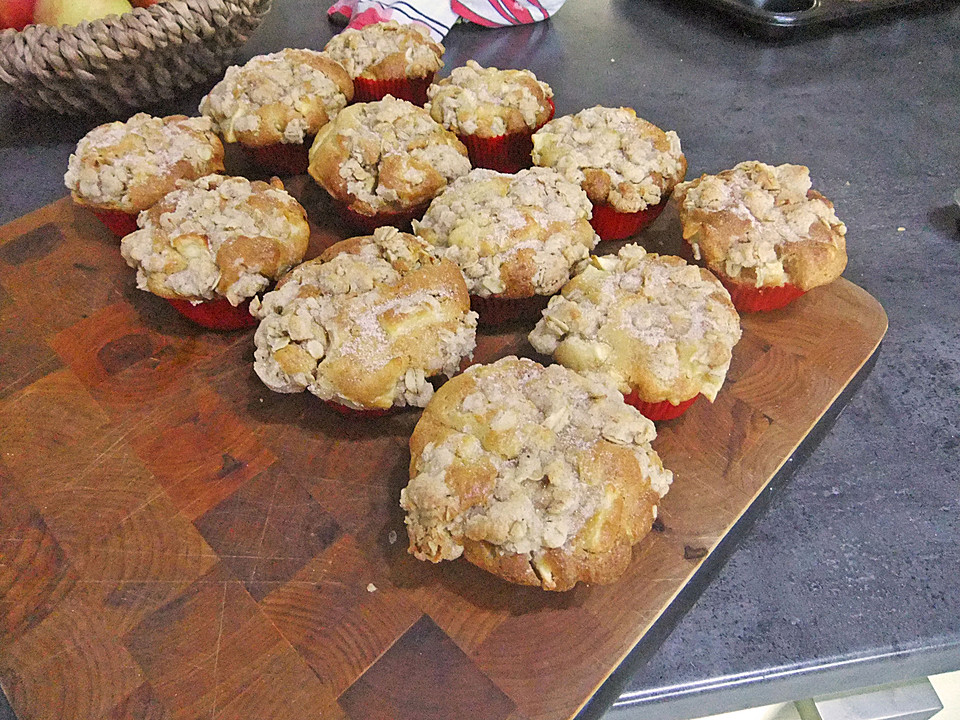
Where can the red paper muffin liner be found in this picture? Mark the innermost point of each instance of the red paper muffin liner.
(508, 153)
(612, 225)
(347, 411)
(750, 299)
(664, 410)
(412, 89)
(217, 314)
(118, 222)
(282, 159)
(497, 310)
(369, 223)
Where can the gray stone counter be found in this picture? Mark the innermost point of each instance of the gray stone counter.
(848, 572)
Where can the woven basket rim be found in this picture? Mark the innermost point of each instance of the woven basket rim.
(96, 64)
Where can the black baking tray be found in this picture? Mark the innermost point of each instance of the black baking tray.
(782, 18)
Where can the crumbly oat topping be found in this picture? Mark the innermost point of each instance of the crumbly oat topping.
(643, 320)
(510, 459)
(128, 166)
(283, 97)
(386, 156)
(217, 236)
(621, 160)
(489, 102)
(366, 324)
(513, 235)
(766, 209)
(386, 50)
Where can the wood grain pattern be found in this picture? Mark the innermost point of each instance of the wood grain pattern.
(176, 541)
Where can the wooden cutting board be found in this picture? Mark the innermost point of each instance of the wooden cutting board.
(176, 541)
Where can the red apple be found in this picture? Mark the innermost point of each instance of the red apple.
(144, 3)
(16, 14)
(73, 12)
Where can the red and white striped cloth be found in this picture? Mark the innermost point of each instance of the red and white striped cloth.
(440, 15)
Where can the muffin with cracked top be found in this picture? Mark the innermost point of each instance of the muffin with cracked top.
(387, 58)
(661, 330)
(627, 165)
(214, 243)
(494, 112)
(122, 168)
(366, 325)
(515, 237)
(764, 232)
(273, 105)
(536, 474)
(383, 162)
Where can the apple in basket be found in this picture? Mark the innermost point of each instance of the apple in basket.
(73, 12)
(16, 14)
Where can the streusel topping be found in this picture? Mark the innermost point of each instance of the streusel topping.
(514, 235)
(489, 102)
(620, 159)
(366, 324)
(385, 50)
(283, 97)
(531, 432)
(387, 155)
(637, 314)
(770, 208)
(130, 165)
(217, 236)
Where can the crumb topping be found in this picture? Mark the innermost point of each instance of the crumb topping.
(765, 210)
(512, 235)
(366, 324)
(386, 50)
(217, 236)
(130, 165)
(386, 156)
(489, 102)
(507, 456)
(621, 160)
(643, 320)
(283, 97)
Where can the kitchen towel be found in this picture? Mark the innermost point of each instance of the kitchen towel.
(440, 15)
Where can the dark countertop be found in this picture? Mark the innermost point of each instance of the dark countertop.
(848, 573)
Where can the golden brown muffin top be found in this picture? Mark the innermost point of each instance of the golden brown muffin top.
(763, 225)
(651, 323)
(537, 474)
(366, 323)
(386, 51)
(386, 156)
(619, 159)
(283, 97)
(488, 102)
(511, 235)
(217, 236)
(128, 166)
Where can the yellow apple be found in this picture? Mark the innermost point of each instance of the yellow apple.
(73, 12)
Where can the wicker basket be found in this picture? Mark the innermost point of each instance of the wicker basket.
(122, 63)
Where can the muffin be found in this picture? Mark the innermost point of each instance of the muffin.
(388, 58)
(213, 243)
(538, 475)
(661, 330)
(515, 237)
(627, 166)
(383, 162)
(366, 325)
(274, 105)
(493, 112)
(121, 168)
(764, 232)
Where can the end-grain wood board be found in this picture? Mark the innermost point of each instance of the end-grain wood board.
(176, 541)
